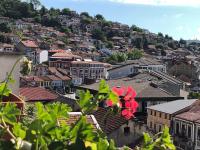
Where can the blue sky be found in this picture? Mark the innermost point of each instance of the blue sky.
(177, 18)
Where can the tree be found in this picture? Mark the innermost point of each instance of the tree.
(99, 35)
(43, 11)
(135, 54)
(172, 45)
(85, 14)
(36, 3)
(139, 43)
(99, 17)
(159, 46)
(5, 28)
(182, 41)
(66, 11)
(194, 95)
(135, 28)
(109, 44)
(160, 34)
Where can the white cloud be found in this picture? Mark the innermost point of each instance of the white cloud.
(193, 3)
(176, 16)
(179, 28)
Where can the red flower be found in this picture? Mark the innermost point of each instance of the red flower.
(109, 103)
(119, 91)
(127, 102)
(127, 114)
(130, 94)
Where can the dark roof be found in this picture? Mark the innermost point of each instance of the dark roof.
(109, 123)
(174, 106)
(37, 94)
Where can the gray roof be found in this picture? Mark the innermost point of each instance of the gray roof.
(141, 84)
(173, 106)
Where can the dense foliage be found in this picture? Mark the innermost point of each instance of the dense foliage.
(119, 57)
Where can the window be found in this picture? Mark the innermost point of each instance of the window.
(183, 130)
(126, 131)
(151, 112)
(198, 134)
(165, 116)
(160, 114)
(150, 124)
(177, 128)
(154, 113)
(155, 127)
(160, 128)
(189, 131)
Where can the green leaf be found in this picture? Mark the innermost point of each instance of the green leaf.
(103, 87)
(9, 112)
(83, 130)
(103, 144)
(147, 138)
(18, 131)
(113, 97)
(86, 101)
(4, 90)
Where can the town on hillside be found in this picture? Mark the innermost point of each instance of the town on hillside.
(70, 52)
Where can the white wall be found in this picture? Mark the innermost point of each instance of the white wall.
(43, 56)
(6, 63)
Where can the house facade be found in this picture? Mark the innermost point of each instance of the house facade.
(186, 128)
(162, 114)
(88, 70)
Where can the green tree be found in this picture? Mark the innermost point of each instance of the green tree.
(99, 35)
(5, 28)
(85, 14)
(135, 54)
(135, 28)
(109, 44)
(86, 21)
(66, 11)
(139, 43)
(160, 34)
(99, 17)
(182, 41)
(43, 11)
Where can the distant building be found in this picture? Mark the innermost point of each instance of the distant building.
(132, 66)
(148, 93)
(30, 49)
(62, 59)
(186, 128)
(7, 48)
(116, 127)
(161, 115)
(87, 71)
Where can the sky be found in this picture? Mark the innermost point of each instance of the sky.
(177, 18)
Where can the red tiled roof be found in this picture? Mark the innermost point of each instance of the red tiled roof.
(193, 114)
(30, 43)
(111, 122)
(53, 78)
(74, 116)
(37, 94)
(57, 50)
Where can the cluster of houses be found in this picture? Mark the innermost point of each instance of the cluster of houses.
(61, 69)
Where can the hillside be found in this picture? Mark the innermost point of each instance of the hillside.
(96, 30)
